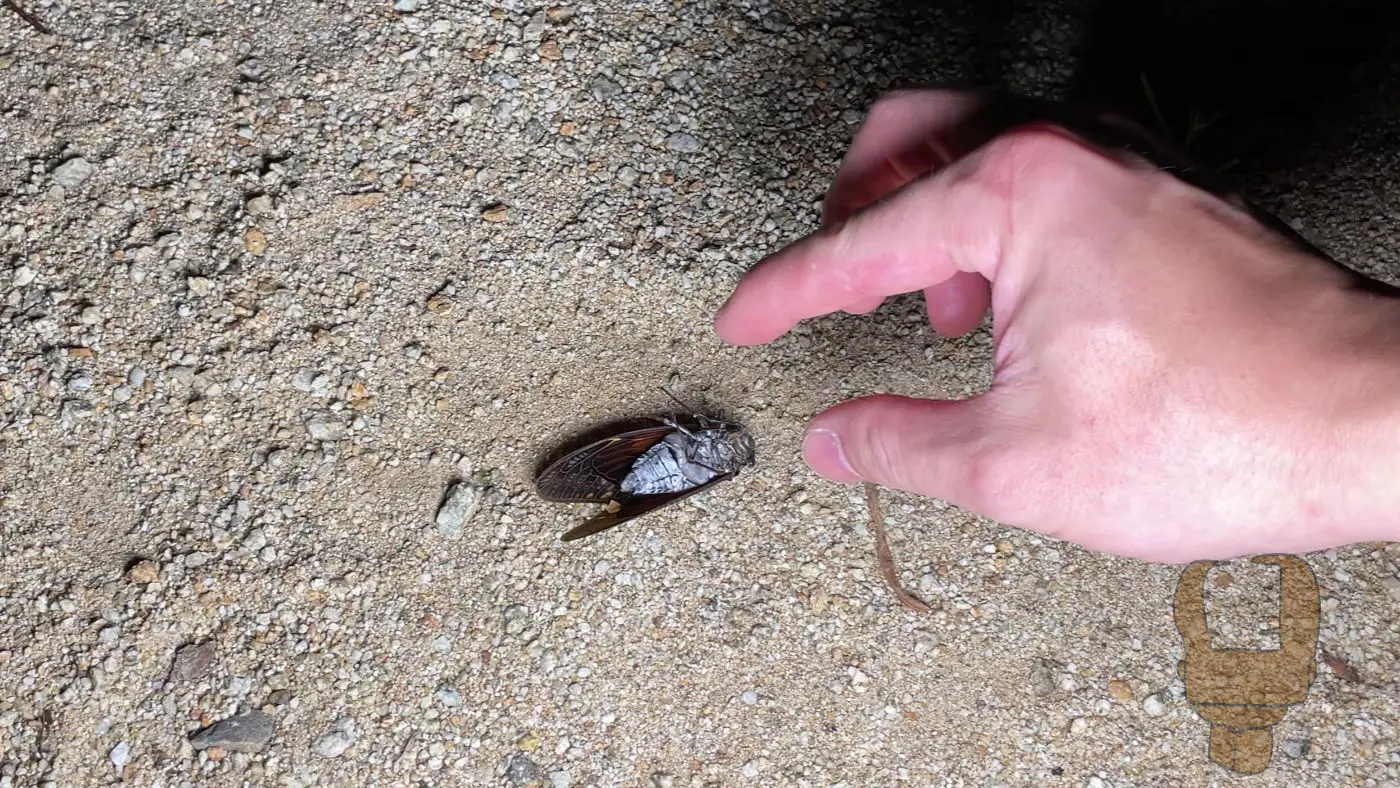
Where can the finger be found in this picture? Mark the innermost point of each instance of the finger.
(927, 447)
(864, 306)
(894, 169)
(956, 307)
(922, 235)
(906, 134)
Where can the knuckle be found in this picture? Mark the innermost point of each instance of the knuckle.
(1040, 151)
(1045, 167)
(843, 243)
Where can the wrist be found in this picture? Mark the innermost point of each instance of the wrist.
(1358, 499)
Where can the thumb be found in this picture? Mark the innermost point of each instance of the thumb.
(940, 448)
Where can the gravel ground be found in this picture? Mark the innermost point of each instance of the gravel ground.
(280, 279)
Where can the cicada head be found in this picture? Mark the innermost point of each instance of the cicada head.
(738, 447)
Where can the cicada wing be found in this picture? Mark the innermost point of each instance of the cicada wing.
(634, 508)
(593, 473)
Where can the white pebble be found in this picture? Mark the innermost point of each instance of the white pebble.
(333, 744)
(460, 506)
(73, 172)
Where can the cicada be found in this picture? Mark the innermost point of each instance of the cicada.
(641, 470)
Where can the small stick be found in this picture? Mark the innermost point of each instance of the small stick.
(28, 17)
(886, 559)
(412, 735)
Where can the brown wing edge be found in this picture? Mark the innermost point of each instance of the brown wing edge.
(605, 460)
(634, 508)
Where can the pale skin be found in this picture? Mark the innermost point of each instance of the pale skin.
(1172, 380)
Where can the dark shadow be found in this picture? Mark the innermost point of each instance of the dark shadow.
(1281, 83)
(1287, 84)
(1266, 93)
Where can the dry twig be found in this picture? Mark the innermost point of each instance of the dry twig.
(883, 555)
(28, 17)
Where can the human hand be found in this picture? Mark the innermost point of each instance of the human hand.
(1173, 380)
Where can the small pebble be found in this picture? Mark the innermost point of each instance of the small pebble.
(242, 733)
(1120, 690)
(678, 80)
(194, 661)
(333, 744)
(260, 205)
(605, 89)
(458, 508)
(120, 754)
(254, 240)
(682, 143)
(534, 29)
(514, 619)
(522, 771)
(325, 428)
(72, 173)
(144, 572)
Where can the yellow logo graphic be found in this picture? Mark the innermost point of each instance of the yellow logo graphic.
(1244, 693)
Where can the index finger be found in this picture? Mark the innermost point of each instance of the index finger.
(921, 235)
(906, 134)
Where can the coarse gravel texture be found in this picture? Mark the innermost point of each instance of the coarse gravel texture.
(275, 276)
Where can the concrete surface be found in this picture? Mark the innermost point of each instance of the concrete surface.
(275, 275)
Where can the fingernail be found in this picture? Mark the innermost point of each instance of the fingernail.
(822, 450)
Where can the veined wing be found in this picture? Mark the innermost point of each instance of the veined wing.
(593, 473)
(634, 508)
